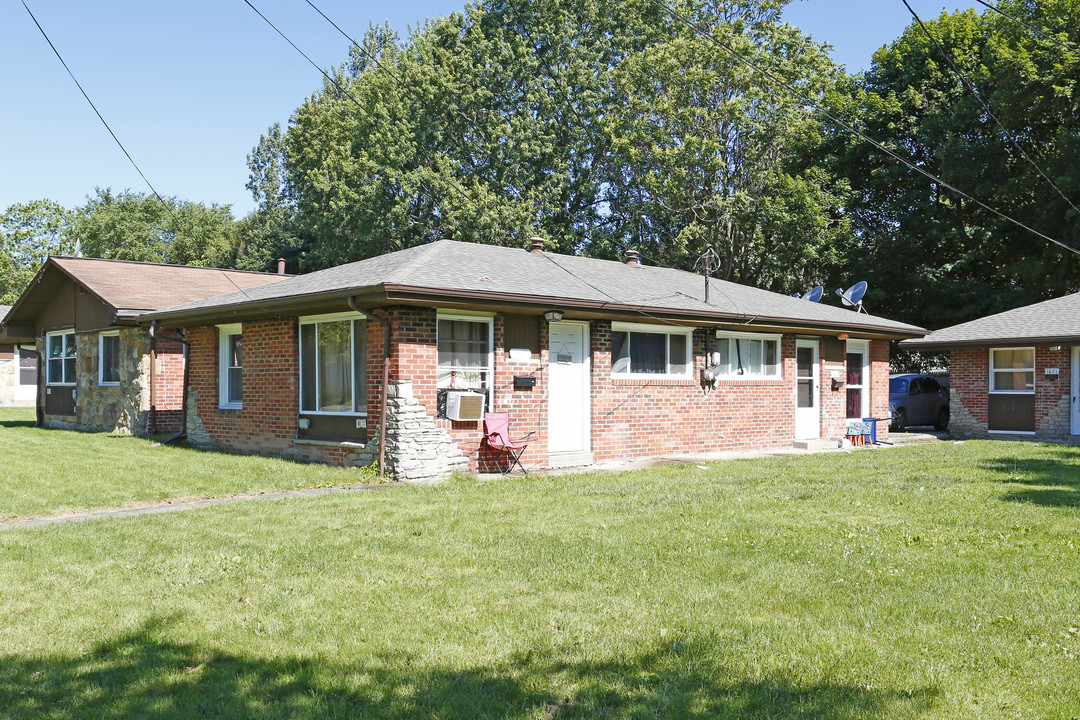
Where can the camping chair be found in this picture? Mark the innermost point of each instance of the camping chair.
(507, 450)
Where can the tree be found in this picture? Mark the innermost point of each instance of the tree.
(136, 226)
(934, 257)
(578, 120)
(29, 234)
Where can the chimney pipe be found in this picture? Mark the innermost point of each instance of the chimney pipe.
(281, 266)
(536, 245)
(633, 258)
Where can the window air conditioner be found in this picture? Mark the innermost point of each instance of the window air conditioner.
(465, 405)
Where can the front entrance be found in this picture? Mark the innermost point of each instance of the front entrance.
(1074, 381)
(568, 394)
(807, 390)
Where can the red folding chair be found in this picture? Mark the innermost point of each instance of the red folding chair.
(506, 450)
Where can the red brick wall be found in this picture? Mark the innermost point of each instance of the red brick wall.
(879, 385)
(969, 380)
(630, 418)
(168, 386)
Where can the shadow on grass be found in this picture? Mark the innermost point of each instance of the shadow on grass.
(140, 675)
(18, 423)
(1054, 479)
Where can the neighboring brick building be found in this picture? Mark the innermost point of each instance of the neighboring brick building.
(604, 360)
(100, 369)
(1016, 373)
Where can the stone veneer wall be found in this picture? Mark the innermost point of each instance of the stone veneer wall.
(9, 377)
(122, 408)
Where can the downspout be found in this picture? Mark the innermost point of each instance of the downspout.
(385, 380)
(151, 420)
(184, 390)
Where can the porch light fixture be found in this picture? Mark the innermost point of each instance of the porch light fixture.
(553, 315)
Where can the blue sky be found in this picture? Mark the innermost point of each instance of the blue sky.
(188, 87)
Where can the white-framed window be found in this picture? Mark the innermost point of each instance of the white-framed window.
(109, 358)
(231, 366)
(1012, 370)
(857, 362)
(656, 351)
(464, 346)
(60, 357)
(746, 355)
(333, 364)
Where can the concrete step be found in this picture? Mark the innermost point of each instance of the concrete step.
(815, 445)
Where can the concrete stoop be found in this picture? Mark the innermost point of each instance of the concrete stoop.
(816, 445)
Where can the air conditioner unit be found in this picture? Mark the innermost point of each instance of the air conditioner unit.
(465, 405)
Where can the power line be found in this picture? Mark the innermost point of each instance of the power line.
(1063, 44)
(102, 119)
(964, 81)
(848, 126)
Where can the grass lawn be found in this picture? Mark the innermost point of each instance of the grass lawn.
(938, 581)
(48, 472)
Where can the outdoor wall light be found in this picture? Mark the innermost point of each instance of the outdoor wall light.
(553, 315)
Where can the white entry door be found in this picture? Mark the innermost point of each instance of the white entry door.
(568, 393)
(1074, 381)
(807, 390)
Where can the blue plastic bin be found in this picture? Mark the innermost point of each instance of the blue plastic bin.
(873, 427)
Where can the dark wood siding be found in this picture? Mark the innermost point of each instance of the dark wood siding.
(333, 427)
(1012, 412)
(7, 352)
(833, 350)
(60, 400)
(71, 307)
(523, 331)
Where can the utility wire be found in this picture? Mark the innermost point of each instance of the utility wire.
(102, 119)
(703, 32)
(1063, 44)
(967, 84)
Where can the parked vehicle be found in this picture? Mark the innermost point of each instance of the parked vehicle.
(916, 399)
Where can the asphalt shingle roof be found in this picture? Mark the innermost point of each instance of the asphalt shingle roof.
(1050, 320)
(136, 287)
(488, 271)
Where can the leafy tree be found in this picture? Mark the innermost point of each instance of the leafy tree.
(590, 122)
(931, 256)
(135, 226)
(29, 233)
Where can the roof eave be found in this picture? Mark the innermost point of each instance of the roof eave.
(942, 345)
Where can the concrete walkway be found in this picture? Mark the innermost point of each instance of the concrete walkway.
(167, 506)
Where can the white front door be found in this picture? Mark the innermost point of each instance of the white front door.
(568, 393)
(807, 390)
(25, 378)
(1074, 382)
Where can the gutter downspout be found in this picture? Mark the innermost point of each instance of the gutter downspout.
(385, 380)
(184, 390)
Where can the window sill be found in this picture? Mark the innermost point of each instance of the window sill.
(750, 381)
(652, 380)
(330, 443)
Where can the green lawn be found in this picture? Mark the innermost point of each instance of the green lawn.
(48, 472)
(939, 581)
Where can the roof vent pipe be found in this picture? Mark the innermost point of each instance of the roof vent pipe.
(633, 258)
(536, 245)
(281, 266)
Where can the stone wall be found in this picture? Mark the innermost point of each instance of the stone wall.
(9, 377)
(123, 408)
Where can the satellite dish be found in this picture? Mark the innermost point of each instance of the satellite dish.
(815, 294)
(852, 297)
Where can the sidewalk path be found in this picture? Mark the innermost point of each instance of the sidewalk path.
(166, 506)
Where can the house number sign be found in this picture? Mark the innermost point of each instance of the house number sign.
(1052, 372)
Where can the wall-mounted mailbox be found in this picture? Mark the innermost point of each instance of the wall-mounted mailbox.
(524, 381)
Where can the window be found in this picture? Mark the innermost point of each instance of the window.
(109, 358)
(60, 351)
(333, 359)
(747, 355)
(856, 401)
(1012, 370)
(28, 371)
(231, 363)
(464, 352)
(650, 350)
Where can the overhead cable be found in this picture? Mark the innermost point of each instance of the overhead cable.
(703, 32)
(1063, 44)
(96, 112)
(964, 81)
